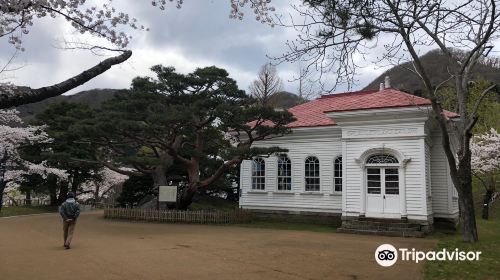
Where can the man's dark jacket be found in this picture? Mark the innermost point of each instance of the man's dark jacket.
(70, 209)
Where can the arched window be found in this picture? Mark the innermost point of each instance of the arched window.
(312, 174)
(337, 174)
(381, 159)
(258, 174)
(284, 173)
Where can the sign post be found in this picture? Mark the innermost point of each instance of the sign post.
(167, 194)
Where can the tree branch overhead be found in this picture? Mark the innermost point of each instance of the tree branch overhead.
(11, 95)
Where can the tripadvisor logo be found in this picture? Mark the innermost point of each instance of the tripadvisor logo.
(387, 255)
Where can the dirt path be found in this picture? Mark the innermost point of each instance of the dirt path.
(31, 248)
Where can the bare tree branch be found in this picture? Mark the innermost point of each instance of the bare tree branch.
(474, 116)
(15, 96)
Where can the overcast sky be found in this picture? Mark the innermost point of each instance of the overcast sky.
(197, 35)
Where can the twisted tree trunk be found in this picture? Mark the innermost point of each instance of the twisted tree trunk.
(188, 193)
(159, 176)
(187, 197)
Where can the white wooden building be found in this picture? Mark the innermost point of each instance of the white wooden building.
(373, 154)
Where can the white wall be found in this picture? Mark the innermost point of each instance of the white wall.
(428, 179)
(404, 138)
(428, 189)
(326, 146)
(444, 195)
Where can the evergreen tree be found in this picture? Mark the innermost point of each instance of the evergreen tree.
(201, 122)
(66, 151)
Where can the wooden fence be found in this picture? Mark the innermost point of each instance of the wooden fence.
(173, 216)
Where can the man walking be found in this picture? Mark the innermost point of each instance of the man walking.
(69, 210)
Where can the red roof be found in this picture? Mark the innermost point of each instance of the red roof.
(313, 113)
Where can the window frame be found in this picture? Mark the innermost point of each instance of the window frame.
(288, 165)
(382, 174)
(379, 181)
(261, 176)
(398, 180)
(397, 163)
(317, 186)
(335, 177)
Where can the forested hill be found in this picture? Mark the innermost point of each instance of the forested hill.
(95, 97)
(436, 64)
(285, 100)
(92, 97)
(401, 78)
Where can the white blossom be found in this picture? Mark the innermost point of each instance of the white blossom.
(98, 18)
(485, 150)
(102, 188)
(261, 9)
(14, 134)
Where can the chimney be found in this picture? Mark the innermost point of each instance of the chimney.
(387, 82)
(381, 87)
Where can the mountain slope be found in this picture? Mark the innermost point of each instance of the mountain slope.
(435, 64)
(92, 98)
(285, 100)
(95, 97)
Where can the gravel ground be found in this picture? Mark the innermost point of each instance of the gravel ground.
(31, 247)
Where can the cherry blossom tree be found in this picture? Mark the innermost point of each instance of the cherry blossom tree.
(99, 19)
(13, 135)
(486, 152)
(485, 161)
(103, 187)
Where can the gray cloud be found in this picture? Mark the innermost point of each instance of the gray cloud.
(199, 34)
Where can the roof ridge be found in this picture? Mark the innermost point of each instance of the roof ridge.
(414, 96)
(329, 95)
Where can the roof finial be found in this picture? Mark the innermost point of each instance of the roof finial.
(381, 87)
(387, 82)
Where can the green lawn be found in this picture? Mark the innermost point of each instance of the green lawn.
(211, 203)
(289, 226)
(488, 267)
(26, 210)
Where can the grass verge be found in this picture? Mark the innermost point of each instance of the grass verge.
(489, 244)
(289, 226)
(26, 210)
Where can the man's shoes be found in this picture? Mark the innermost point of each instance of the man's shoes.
(67, 247)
